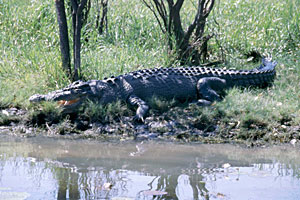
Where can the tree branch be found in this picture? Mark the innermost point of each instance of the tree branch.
(81, 6)
(160, 10)
(179, 4)
(209, 9)
(74, 5)
(155, 15)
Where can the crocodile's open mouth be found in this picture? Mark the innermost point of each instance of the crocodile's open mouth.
(67, 102)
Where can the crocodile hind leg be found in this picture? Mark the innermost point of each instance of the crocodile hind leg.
(210, 89)
(142, 107)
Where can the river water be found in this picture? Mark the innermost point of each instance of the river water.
(43, 168)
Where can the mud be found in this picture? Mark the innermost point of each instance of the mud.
(178, 125)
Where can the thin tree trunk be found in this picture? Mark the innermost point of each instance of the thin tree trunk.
(77, 46)
(63, 36)
(74, 13)
(101, 22)
(104, 15)
(77, 25)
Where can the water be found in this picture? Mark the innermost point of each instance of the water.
(41, 168)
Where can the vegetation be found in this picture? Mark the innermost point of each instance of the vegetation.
(190, 45)
(30, 61)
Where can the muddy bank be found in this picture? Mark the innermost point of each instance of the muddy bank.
(183, 124)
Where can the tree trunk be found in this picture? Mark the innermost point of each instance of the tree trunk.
(63, 36)
(101, 22)
(77, 25)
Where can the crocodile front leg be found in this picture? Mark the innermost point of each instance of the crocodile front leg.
(142, 107)
(210, 89)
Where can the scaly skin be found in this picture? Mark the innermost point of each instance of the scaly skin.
(183, 83)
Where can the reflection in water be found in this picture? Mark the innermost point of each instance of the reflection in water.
(41, 168)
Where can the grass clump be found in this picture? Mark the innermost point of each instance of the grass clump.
(47, 113)
(64, 127)
(161, 105)
(95, 112)
(6, 120)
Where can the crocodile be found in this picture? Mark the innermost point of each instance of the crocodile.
(202, 85)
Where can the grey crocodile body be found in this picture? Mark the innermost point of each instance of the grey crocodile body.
(183, 83)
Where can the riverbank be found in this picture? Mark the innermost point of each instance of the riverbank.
(183, 123)
(244, 31)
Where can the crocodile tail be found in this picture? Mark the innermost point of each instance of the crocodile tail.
(262, 76)
(267, 72)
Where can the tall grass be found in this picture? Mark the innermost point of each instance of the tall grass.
(266, 26)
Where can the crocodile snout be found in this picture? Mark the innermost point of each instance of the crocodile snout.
(37, 98)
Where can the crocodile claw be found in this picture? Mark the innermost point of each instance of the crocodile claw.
(138, 119)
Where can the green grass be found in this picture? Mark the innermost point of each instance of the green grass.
(94, 112)
(30, 56)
